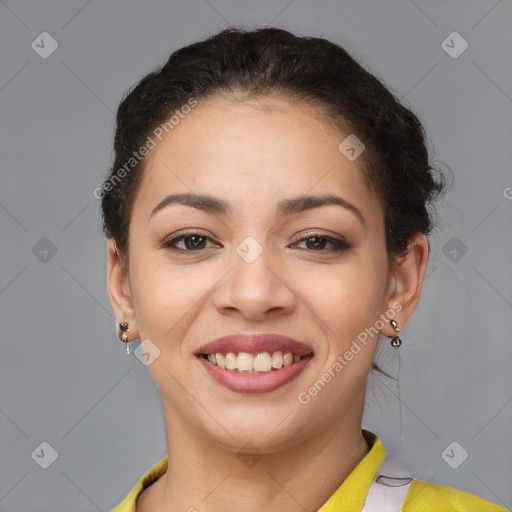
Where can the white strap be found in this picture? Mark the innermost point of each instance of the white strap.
(388, 489)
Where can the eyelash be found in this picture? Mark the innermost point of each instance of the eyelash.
(338, 245)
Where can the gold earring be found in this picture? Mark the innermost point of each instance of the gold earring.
(124, 337)
(396, 341)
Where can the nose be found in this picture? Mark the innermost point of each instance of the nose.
(255, 290)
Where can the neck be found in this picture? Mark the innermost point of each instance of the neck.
(204, 476)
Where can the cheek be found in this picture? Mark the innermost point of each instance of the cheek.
(157, 295)
(343, 299)
(167, 297)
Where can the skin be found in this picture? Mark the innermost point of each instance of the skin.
(254, 153)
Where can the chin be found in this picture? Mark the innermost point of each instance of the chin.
(255, 428)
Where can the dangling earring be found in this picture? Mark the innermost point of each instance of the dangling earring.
(396, 341)
(124, 327)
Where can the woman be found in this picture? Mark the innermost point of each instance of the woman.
(267, 217)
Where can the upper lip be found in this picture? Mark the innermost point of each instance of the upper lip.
(255, 343)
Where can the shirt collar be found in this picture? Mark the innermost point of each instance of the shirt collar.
(352, 493)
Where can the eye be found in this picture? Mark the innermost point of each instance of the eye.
(192, 241)
(195, 242)
(317, 242)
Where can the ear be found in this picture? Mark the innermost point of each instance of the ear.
(406, 282)
(119, 291)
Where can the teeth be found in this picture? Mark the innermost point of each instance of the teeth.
(263, 362)
(230, 361)
(221, 361)
(288, 359)
(277, 360)
(244, 362)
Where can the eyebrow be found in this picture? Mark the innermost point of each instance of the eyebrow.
(295, 205)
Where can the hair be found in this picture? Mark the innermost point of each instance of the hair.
(236, 63)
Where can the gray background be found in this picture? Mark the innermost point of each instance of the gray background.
(64, 376)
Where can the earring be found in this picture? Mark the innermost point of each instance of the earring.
(396, 341)
(124, 337)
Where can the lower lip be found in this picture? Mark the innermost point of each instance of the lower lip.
(254, 383)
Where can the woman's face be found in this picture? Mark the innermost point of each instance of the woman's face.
(257, 268)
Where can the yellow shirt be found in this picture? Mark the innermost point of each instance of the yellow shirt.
(351, 494)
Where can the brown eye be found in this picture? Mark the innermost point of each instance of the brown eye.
(317, 242)
(192, 242)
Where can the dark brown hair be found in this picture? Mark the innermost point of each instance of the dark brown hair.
(272, 61)
(236, 63)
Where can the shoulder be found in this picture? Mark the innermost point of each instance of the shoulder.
(427, 497)
(129, 504)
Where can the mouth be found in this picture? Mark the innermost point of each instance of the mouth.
(254, 363)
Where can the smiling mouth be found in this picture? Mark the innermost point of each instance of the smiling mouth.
(247, 363)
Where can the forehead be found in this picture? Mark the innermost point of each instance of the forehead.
(252, 149)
